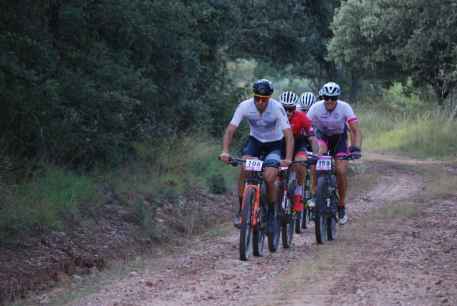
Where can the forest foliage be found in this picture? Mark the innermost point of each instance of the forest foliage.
(82, 81)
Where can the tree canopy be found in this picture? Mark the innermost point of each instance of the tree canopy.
(394, 39)
(81, 81)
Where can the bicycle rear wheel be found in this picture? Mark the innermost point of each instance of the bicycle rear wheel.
(300, 218)
(245, 227)
(274, 228)
(287, 223)
(306, 217)
(259, 233)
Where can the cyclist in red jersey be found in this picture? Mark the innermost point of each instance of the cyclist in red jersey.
(304, 138)
(307, 99)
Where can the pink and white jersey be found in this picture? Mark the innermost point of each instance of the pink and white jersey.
(334, 122)
(265, 127)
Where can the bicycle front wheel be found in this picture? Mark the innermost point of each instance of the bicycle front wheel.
(320, 218)
(331, 220)
(320, 226)
(331, 228)
(245, 226)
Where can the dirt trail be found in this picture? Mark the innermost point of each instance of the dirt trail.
(399, 248)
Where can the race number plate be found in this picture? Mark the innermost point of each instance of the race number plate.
(324, 164)
(253, 165)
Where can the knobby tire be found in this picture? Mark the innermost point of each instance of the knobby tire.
(245, 227)
(259, 233)
(320, 217)
(274, 230)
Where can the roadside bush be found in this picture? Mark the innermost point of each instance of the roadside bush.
(402, 98)
(216, 183)
(144, 215)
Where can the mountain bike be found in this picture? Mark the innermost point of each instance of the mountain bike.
(288, 218)
(253, 215)
(324, 214)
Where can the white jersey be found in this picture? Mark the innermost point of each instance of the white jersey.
(334, 122)
(265, 127)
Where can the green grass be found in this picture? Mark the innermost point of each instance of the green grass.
(44, 202)
(174, 167)
(168, 172)
(422, 135)
(161, 171)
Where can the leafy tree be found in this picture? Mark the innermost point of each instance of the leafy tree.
(81, 80)
(393, 39)
(292, 33)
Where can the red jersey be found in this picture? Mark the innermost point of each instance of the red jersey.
(301, 124)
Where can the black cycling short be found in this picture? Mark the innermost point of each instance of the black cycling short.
(270, 152)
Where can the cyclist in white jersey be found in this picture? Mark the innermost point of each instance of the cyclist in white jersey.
(268, 125)
(331, 119)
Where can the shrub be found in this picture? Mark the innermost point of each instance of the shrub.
(216, 184)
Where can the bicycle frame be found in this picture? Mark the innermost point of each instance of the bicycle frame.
(326, 198)
(256, 206)
(253, 180)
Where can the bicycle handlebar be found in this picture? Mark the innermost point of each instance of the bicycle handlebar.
(312, 159)
(315, 157)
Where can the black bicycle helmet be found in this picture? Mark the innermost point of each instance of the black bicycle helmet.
(262, 87)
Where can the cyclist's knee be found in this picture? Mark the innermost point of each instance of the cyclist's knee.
(341, 173)
(270, 174)
(300, 170)
(341, 166)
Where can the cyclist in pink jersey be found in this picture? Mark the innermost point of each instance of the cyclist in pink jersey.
(331, 120)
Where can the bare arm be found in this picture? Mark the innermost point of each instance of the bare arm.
(356, 134)
(289, 136)
(314, 144)
(226, 141)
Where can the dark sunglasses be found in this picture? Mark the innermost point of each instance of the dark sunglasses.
(330, 98)
(290, 109)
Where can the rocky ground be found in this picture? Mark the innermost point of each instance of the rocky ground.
(399, 248)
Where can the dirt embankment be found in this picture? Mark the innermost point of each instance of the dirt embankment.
(399, 248)
(117, 230)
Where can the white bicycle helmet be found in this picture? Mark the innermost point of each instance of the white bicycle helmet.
(306, 100)
(330, 89)
(288, 99)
